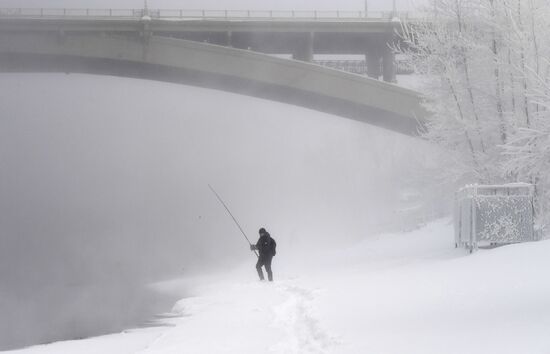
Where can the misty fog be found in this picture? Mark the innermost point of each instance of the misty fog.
(103, 190)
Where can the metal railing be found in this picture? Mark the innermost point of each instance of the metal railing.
(497, 214)
(201, 14)
(402, 67)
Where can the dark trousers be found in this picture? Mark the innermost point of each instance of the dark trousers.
(266, 262)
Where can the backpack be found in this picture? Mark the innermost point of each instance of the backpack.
(268, 246)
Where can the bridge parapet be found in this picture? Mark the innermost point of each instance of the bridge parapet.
(300, 15)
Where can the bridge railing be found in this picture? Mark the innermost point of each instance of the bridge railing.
(51, 12)
(200, 14)
(402, 67)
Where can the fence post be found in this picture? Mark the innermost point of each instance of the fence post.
(181, 13)
(458, 206)
(474, 214)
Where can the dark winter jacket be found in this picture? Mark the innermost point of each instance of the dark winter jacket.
(266, 246)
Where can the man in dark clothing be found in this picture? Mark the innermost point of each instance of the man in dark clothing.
(266, 247)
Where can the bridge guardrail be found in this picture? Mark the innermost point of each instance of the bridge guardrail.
(51, 12)
(402, 67)
(201, 14)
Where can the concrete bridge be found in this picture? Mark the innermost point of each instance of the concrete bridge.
(223, 53)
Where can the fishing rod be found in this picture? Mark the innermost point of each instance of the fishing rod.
(235, 220)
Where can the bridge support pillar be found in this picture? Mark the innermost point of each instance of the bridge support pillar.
(305, 52)
(388, 65)
(373, 64)
(381, 62)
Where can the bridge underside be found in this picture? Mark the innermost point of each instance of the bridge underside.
(32, 63)
(291, 42)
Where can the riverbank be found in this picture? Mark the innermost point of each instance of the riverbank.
(411, 292)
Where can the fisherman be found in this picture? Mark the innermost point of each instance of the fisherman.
(266, 246)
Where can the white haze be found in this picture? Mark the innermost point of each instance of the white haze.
(103, 188)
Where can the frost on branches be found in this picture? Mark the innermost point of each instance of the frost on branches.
(489, 92)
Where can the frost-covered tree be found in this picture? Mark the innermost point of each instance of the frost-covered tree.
(527, 152)
(451, 49)
(489, 93)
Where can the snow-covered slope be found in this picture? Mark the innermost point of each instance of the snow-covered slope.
(401, 293)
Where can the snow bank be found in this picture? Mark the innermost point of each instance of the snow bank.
(439, 300)
(399, 293)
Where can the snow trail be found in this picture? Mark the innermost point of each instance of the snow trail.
(278, 317)
(304, 333)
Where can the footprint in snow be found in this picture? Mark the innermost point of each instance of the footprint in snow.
(295, 316)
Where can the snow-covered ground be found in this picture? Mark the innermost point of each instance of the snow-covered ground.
(400, 293)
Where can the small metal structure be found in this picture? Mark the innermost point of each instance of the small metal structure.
(493, 215)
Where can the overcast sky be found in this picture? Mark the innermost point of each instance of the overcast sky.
(374, 5)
